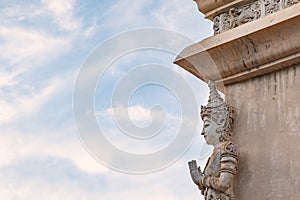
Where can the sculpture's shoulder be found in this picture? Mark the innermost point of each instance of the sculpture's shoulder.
(229, 148)
(229, 158)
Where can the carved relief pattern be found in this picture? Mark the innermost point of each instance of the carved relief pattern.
(271, 6)
(249, 12)
(288, 3)
(227, 21)
(216, 24)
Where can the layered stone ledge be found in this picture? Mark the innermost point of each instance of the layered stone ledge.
(253, 49)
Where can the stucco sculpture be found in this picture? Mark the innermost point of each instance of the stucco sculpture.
(217, 180)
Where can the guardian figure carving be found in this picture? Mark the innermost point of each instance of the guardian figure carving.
(217, 180)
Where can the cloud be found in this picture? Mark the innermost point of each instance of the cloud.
(57, 178)
(58, 143)
(6, 78)
(134, 15)
(179, 15)
(21, 45)
(30, 127)
(63, 13)
(27, 50)
(16, 105)
(91, 29)
(138, 114)
(50, 178)
(18, 13)
(24, 51)
(160, 127)
(150, 133)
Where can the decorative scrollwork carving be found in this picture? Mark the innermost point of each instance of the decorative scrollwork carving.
(271, 6)
(217, 24)
(235, 17)
(288, 3)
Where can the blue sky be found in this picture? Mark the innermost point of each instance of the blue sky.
(43, 46)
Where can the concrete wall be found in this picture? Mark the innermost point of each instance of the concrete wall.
(267, 130)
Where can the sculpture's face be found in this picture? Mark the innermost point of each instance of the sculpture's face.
(210, 131)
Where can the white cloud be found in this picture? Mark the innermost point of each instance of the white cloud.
(54, 177)
(63, 13)
(176, 15)
(138, 114)
(164, 128)
(23, 105)
(180, 15)
(20, 12)
(91, 30)
(23, 50)
(60, 143)
(61, 181)
(16, 144)
(6, 78)
(21, 45)
(117, 15)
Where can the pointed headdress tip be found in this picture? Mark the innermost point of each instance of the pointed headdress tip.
(216, 103)
(215, 99)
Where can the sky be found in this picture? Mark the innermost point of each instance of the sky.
(49, 149)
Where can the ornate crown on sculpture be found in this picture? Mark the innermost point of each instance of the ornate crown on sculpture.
(219, 112)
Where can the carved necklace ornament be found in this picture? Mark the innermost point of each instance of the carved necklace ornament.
(217, 180)
(235, 17)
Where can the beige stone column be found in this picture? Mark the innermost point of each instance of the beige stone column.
(256, 63)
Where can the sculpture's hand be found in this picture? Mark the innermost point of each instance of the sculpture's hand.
(196, 173)
(193, 165)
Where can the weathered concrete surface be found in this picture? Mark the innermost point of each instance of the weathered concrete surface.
(268, 134)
